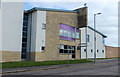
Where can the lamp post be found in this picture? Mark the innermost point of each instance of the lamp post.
(95, 36)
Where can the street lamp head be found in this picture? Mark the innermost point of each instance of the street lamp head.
(98, 13)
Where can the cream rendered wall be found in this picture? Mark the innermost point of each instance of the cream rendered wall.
(37, 33)
(12, 21)
(40, 33)
(90, 45)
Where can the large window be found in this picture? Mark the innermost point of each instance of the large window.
(24, 37)
(68, 32)
(65, 49)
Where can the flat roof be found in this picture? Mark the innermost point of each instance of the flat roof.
(49, 9)
(97, 31)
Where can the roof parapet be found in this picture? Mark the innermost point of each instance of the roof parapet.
(49, 9)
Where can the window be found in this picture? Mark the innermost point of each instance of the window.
(43, 26)
(65, 46)
(43, 48)
(73, 35)
(69, 47)
(61, 51)
(24, 28)
(23, 56)
(23, 44)
(65, 49)
(87, 38)
(25, 23)
(77, 35)
(73, 51)
(24, 37)
(65, 33)
(23, 50)
(103, 51)
(69, 34)
(103, 40)
(91, 50)
(97, 50)
(61, 46)
(24, 34)
(61, 33)
(24, 40)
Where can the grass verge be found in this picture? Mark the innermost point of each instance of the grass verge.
(109, 58)
(20, 64)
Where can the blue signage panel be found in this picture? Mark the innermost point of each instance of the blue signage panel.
(79, 48)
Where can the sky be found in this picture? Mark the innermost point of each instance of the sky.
(106, 23)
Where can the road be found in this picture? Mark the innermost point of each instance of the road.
(101, 67)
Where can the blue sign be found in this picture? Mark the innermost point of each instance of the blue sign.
(79, 48)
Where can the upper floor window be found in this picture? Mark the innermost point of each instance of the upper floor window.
(68, 32)
(65, 33)
(73, 35)
(84, 50)
(61, 33)
(77, 35)
(91, 50)
(88, 39)
(43, 26)
(103, 40)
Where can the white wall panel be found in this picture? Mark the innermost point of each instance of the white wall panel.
(12, 21)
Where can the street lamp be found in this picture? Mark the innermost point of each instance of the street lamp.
(95, 36)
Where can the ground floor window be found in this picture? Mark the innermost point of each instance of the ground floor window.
(42, 48)
(65, 49)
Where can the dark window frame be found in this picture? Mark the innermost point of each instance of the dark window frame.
(43, 48)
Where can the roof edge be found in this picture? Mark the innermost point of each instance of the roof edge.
(97, 31)
(49, 9)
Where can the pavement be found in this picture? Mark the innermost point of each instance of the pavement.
(101, 67)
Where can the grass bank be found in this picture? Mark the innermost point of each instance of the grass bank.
(20, 64)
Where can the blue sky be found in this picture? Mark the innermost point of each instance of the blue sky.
(107, 22)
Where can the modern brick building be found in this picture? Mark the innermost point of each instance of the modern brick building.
(54, 34)
(49, 34)
(41, 34)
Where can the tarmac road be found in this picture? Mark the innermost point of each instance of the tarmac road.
(101, 67)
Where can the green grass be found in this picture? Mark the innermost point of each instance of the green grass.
(6, 65)
(104, 58)
(108, 58)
